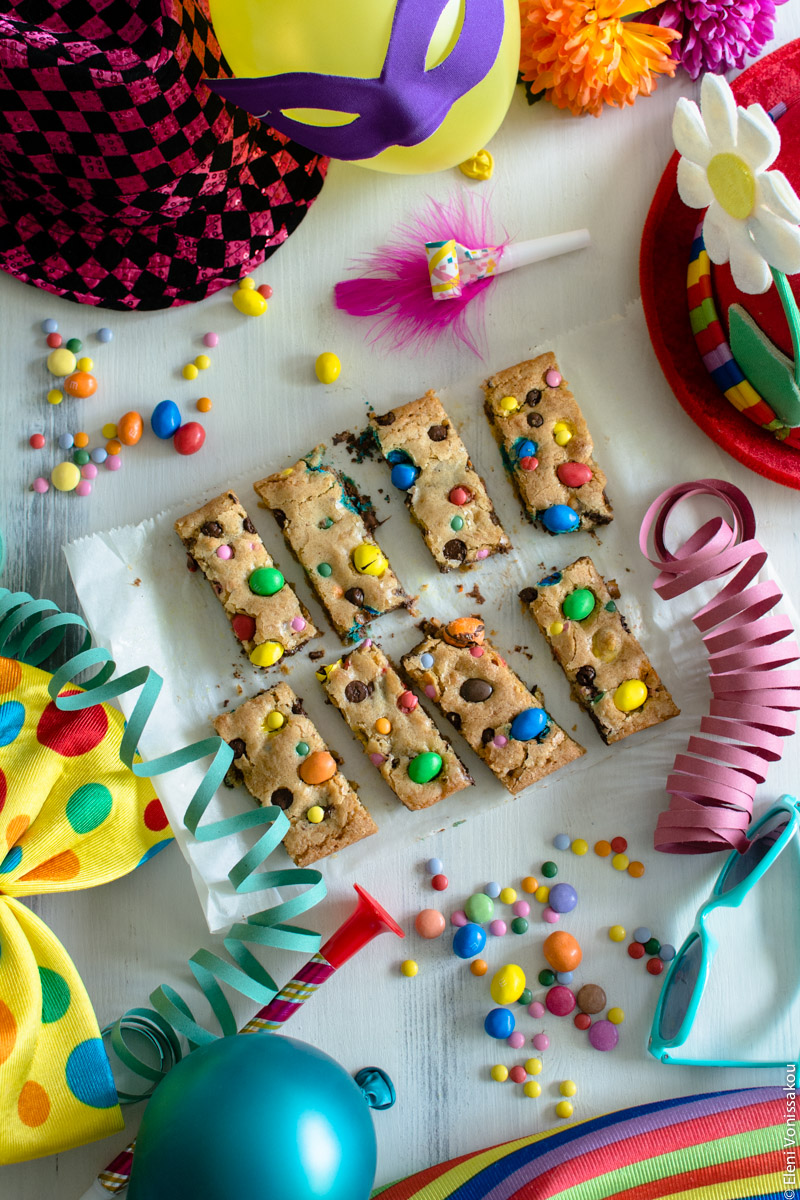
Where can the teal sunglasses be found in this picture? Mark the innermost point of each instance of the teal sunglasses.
(688, 974)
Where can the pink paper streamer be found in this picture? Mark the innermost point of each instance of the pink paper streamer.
(755, 697)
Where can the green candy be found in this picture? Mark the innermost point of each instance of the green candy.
(652, 946)
(549, 870)
(325, 570)
(80, 458)
(519, 925)
(266, 581)
(425, 767)
(547, 978)
(578, 605)
(75, 345)
(457, 523)
(526, 997)
(302, 749)
(479, 908)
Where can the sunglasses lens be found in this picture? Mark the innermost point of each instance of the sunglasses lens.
(764, 840)
(680, 989)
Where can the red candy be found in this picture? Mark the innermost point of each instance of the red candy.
(655, 966)
(574, 474)
(619, 845)
(582, 1021)
(37, 440)
(407, 701)
(265, 290)
(636, 950)
(529, 463)
(244, 627)
(54, 340)
(517, 1074)
(460, 495)
(189, 438)
(560, 1001)
(440, 883)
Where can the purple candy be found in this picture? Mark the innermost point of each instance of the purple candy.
(563, 897)
(604, 1035)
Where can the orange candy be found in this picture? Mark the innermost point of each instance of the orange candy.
(204, 404)
(80, 384)
(465, 631)
(129, 429)
(636, 869)
(602, 849)
(562, 951)
(529, 884)
(113, 446)
(318, 767)
(479, 966)
(81, 440)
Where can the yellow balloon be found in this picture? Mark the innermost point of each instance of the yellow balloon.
(262, 38)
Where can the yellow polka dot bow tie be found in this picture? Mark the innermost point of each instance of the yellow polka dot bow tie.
(71, 816)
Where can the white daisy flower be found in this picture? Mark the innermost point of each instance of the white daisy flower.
(753, 213)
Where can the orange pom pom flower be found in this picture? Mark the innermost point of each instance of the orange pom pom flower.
(583, 54)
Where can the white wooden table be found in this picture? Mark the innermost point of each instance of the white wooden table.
(553, 172)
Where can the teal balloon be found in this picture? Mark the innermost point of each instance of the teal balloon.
(260, 1116)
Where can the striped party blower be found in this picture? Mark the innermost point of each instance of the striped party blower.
(719, 1146)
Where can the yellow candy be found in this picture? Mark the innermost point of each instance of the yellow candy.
(315, 814)
(616, 1016)
(630, 695)
(61, 361)
(383, 726)
(617, 933)
(508, 984)
(532, 1089)
(327, 367)
(368, 560)
(275, 720)
(54, 396)
(189, 371)
(542, 893)
(556, 628)
(580, 847)
(110, 430)
(247, 284)
(266, 654)
(509, 404)
(562, 432)
(202, 362)
(480, 166)
(286, 472)
(499, 1073)
(322, 673)
(507, 895)
(534, 1066)
(567, 1088)
(65, 477)
(85, 364)
(564, 1109)
(247, 300)
(409, 968)
(620, 862)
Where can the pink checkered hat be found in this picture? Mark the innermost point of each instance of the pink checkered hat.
(124, 181)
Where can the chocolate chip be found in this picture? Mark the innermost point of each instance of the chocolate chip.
(493, 517)
(217, 587)
(356, 691)
(533, 396)
(454, 719)
(455, 550)
(282, 798)
(280, 517)
(437, 433)
(395, 763)
(528, 595)
(191, 564)
(355, 596)
(475, 691)
(386, 419)
(238, 747)
(211, 529)
(535, 420)
(315, 654)
(623, 623)
(248, 526)
(585, 676)
(297, 706)
(487, 736)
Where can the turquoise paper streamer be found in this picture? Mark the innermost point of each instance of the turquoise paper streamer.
(31, 630)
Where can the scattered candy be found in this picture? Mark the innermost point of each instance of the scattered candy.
(636, 950)
(210, 339)
(440, 883)
(508, 984)
(498, 928)
(549, 870)
(189, 438)
(81, 440)
(602, 849)
(563, 898)
(458, 918)
(562, 951)
(247, 300)
(619, 845)
(409, 968)
(129, 429)
(529, 884)
(642, 934)
(104, 334)
(98, 455)
(580, 847)
(564, 1109)
(40, 485)
(620, 862)
(434, 866)
(204, 405)
(667, 952)
(61, 361)
(109, 430)
(492, 890)
(546, 977)
(636, 869)
(83, 488)
(265, 290)
(617, 933)
(80, 458)
(499, 1023)
(479, 967)
(429, 923)
(564, 976)
(536, 1009)
(65, 477)
(165, 419)
(616, 1016)
(202, 362)
(517, 1074)
(479, 908)
(603, 1035)
(189, 371)
(525, 998)
(113, 462)
(521, 908)
(550, 916)
(560, 1001)
(532, 1089)
(499, 1073)
(652, 945)
(75, 345)
(541, 1041)
(85, 364)
(37, 441)
(582, 1021)
(49, 325)
(507, 895)
(54, 396)
(541, 893)
(327, 367)
(54, 340)
(591, 998)
(113, 446)
(655, 966)
(561, 841)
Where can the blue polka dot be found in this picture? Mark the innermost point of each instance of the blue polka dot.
(153, 851)
(12, 717)
(89, 1075)
(11, 860)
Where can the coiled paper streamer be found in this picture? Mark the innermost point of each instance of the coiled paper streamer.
(754, 696)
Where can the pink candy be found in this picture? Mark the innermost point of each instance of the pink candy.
(521, 908)
(430, 691)
(541, 1041)
(482, 553)
(377, 760)
(113, 462)
(552, 378)
(459, 496)
(224, 552)
(407, 701)
(458, 918)
(210, 339)
(536, 1009)
(498, 928)
(603, 1035)
(298, 624)
(40, 485)
(550, 916)
(500, 740)
(89, 470)
(476, 651)
(84, 488)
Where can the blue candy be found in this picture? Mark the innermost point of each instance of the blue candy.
(434, 866)
(404, 475)
(525, 448)
(104, 334)
(642, 934)
(562, 841)
(529, 724)
(49, 326)
(426, 661)
(560, 518)
(166, 419)
(563, 897)
(550, 580)
(564, 976)
(65, 441)
(499, 1023)
(492, 890)
(469, 940)
(98, 455)
(398, 456)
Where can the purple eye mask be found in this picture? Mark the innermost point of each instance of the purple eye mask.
(403, 106)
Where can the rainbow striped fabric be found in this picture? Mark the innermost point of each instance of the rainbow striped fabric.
(719, 1146)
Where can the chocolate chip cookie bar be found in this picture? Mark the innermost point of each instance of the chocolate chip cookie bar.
(546, 446)
(264, 612)
(397, 735)
(282, 761)
(444, 493)
(505, 723)
(328, 527)
(610, 675)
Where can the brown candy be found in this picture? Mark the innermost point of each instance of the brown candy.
(475, 691)
(355, 596)
(591, 998)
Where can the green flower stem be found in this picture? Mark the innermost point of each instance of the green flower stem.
(792, 317)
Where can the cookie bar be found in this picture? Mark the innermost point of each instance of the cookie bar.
(398, 736)
(610, 675)
(283, 761)
(444, 493)
(546, 446)
(505, 723)
(328, 527)
(263, 610)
